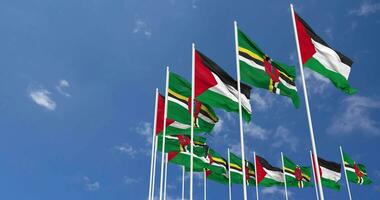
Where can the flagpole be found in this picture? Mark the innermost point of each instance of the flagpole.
(257, 184)
(315, 179)
(192, 119)
(154, 166)
(183, 182)
(240, 112)
(229, 175)
(283, 173)
(345, 173)
(204, 185)
(164, 133)
(166, 174)
(151, 184)
(307, 107)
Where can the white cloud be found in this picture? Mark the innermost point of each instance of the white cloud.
(142, 27)
(127, 149)
(275, 191)
(256, 131)
(284, 137)
(329, 33)
(194, 4)
(62, 84)
(91, 185)
(218, 127)
(129, 180)
(262, 101)
(145, 129)
(356, 115)
(366, 8)
(316, 83)
(41, 97)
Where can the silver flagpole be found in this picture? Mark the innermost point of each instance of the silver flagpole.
(307, 107)
(192, 119)
(204, 185)
(154, 167)
(345, 173)
(166, 174)
(240, 112)
(183, 182)
(151, 184)
(257, 184)
(283, 172)
(229, 175)
(315, 178)
(164, 133)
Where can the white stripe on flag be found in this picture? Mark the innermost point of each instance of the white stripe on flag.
(329, 174)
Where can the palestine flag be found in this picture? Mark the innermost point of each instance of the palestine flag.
(178, 113)
(259, 70)
(356, 173)
(295, 175)
(329, 173)
(320, 57)
(177, 143)
(218, 89)
(237, 171)
(267, 175)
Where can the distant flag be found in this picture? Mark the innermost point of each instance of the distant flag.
(320, 57)
(217, 169)
(268, 175)
(259, 70)
(330, 173)
(356, 173)
(296, 176)
(217, 88)
(177, 143)
(237, 171)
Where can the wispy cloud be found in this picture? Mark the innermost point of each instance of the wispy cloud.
(42, 98)
(91, 185)
(328, 32)
(355, 114)
(316, 83)
(142, 27)
(262, 101)
(130, 180)
(145, 129)
(127, 149)
(273, 191)
(366, 8)
(256, 131)
(62, 85)
(283, 136)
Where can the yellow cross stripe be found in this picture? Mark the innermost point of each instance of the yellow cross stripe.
(235, 166)
(270, 88)
(253, 55)
(304, 175)
(219, 160)
(286, 75)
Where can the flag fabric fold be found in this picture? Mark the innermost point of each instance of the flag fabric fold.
(330, 173)
(296, 176)
(268, 175)
(237, 171)
(356, 173)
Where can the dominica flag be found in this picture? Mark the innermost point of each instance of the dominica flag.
(356, 173)
(268, 175)
(200, 158)
(236, 171)
(217, 88)
(329, 173)
(296, 176)
(178, 111)
(218, 168)
(178, 143)
(322, 58)
(217, 177)
(259, 70)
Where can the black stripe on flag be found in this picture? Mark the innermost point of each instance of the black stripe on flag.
(266, 164)
(333, 166)
(315, 37)
(224, 76)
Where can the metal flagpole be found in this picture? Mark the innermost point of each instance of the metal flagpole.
(257, 184)
(166, 174)
(307, 107)
(183, 182)
(153, 147)
(154, 166)
(240, 112)
(315, 179)
(164, 133)
(345, 173)
(229, 175)
(204, 185)
(192, 119)
(283, 173)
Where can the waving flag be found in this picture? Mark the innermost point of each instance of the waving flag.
(237, 171)
(296, 176)
(356, 173)
(267, 175)
(320, 57)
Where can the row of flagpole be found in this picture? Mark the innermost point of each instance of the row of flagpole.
(162, 192)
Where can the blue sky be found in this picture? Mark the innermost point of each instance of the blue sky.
(77, 88)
